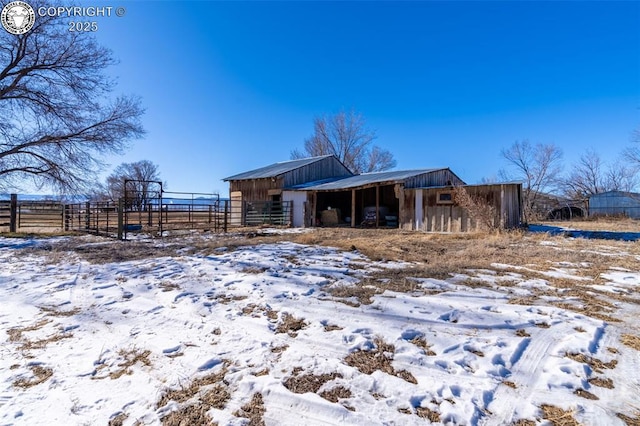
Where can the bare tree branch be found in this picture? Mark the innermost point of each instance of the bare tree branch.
(346, 136)
(538, 166)
(56, 114)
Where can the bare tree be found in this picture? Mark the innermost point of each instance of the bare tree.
(538, 166)
(346, 136)
(141, 188)
(589, 176)
(632, 154)
(57, 117)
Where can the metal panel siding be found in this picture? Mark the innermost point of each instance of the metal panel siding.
(326, 168)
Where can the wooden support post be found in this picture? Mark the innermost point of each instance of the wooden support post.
(226, 214)
(377, 206)
(13, 213)
(67, 217)
(353, 208)
(121, 219)
(87, 216)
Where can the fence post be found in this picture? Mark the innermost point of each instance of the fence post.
(87, 216)
(13, 213)
(226, 213)
(67, 217)
(120, 218)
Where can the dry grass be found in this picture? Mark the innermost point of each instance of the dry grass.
(55, 312)
(290, 324)
(426, 413)
(521, 332)
(40, 375)
(510, 384)
(595, 364)
(585, 394)
(376, 359)
(185, 393)
(131, 357)
(195, 414)
(524, 422)
(630, 421)
(602, 223)
(421, 342)
(557, 416)
(336, 393)
(631, 341)
(308, 382)
(15, 334)
(601, 382)
(118, 419)
(42, 343)
(254, 411)
(332, 327)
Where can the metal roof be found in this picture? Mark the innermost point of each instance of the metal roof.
(276, 169)
(370, 178)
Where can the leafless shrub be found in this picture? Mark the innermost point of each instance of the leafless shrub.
(479, 209)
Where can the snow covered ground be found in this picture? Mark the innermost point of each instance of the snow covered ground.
(256, 334)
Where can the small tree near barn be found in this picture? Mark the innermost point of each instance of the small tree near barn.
(538, 166)
(346, 136)
(57, 117)
(138, 180)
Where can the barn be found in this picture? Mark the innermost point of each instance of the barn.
(256, 195)
(320, 191)
(615, 203)
(355, 200)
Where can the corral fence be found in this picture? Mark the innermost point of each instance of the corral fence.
(158, 216)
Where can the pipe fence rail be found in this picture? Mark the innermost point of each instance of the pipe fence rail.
(157, 217)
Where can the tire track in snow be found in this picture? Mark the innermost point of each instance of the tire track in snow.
(528, 361)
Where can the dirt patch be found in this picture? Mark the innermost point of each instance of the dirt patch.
(40, 375)
(254, 410)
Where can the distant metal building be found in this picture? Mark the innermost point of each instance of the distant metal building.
(615, 203)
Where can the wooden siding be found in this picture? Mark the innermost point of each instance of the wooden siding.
(262, 189)
(505, 198)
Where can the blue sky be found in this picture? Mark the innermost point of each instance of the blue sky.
(232, 86)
